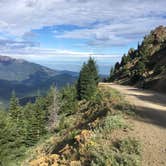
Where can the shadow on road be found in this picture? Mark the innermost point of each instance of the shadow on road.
(158, 99)
(152, 116)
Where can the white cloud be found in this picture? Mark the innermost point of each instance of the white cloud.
(122, 21)
(116, 34)
(47, 53)
(21, 16)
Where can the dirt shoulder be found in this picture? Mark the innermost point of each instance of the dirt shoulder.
(150, 126)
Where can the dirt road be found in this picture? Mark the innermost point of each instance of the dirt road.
(150, 126)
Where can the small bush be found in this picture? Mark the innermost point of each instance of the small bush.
(126, 160)
(129, 146)
(127, 153)
(113, 122)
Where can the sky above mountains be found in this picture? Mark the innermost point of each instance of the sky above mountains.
(42, 31)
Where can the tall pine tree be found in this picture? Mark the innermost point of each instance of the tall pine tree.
(88, 80)
(14, 107)
(93, 70)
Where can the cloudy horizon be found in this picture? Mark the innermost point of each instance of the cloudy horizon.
(51, 31)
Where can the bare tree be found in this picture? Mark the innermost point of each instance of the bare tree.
(53, 110)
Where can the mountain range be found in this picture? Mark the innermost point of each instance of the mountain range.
(26, 78)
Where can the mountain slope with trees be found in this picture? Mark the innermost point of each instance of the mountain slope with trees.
(145, 66)
(26, 78)
(73, 126)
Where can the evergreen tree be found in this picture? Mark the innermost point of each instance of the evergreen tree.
(11, 146)
(83, 81)
(35, 122)
(124, 60)
(88, 80)
(117, 66)
(16, 113)
(112, 72)
(126, 71)
(93, 69)
(14, 107)
(138, 72)
(40, 114)
(140, 68)
(69, 100)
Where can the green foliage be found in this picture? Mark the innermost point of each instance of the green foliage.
(126, 71)
(93, 69)
(17, 117)
(131, 53)
(159, 69)
(113, 122)
(63, 115)
(125, 59)
(35, 123)
(86, 135)
(88, 80)
(111, 76)
(117, 66)
(11, 145)
(130, 146)
(23, 127)
(14, 108)
(122, 153)
(140, 66)
(138, 72)
(69, 103)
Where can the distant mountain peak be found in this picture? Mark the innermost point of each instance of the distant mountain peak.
(159, 33)
(26, 78)
(7, 59)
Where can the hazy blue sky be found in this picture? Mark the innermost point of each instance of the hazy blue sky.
(63, 33)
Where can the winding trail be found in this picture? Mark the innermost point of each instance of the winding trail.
(150, 124)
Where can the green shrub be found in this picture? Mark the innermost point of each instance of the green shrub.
(129, 146)
(124, 153)
(113, 122)
(69, 103)
(126, 160)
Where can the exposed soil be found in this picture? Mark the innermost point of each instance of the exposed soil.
(150, 124)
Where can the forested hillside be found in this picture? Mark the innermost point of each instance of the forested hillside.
(26, 78)
(77, 125)
(145, 66)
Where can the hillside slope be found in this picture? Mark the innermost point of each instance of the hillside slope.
(26, 78)
(18, 70)
(88, 136)
(146, 66)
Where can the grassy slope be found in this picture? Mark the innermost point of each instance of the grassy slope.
(87, 137)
